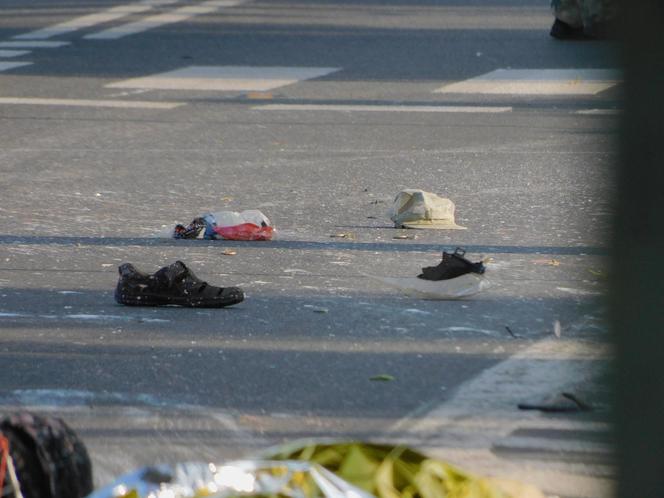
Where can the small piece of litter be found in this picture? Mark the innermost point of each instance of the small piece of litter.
(229, 252)
(316, 309)
(343, 235)
(259, 95)
(382, 377)
(557, 329)
(550, 262)
(597, 273)
(509, 330)
(409, 237)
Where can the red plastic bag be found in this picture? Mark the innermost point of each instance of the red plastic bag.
(244, 231)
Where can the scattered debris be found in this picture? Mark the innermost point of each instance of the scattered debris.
(452, 266)
(226, 225)
(260, 95)
(597, 273)
(343, 235)
(456, 288)
(171, 285)
(229, 252)
(414, 208)
(557, 329)
(509, 331)
(405, 237)
(454, 277)
(550, 262)
(382, 377)
(316, 309)
(560, 403)
(326, 469)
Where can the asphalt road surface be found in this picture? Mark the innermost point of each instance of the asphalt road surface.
(118, 120)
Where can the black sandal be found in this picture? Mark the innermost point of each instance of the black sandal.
(174, 285)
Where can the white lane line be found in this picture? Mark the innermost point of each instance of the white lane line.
(33, 44)
(87, 21)
(599, 112)
(122, 104)
(380, 108)
(4, 66)
(537, 82)
(225, 78)
(177, 15)
(13, 53)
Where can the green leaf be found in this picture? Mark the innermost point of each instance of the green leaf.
(382, 377)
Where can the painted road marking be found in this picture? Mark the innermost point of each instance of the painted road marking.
(380, 108)
(174, 16)
(223, 78)
(123, 104)
(4, 66)
(33, 44)
(600, 112)
(83, 22)
(13, 53)
(482, 411)
(537, 82)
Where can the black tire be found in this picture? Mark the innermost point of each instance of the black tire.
(50, 460)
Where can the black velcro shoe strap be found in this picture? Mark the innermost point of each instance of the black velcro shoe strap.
(127, 270)
(171, 275)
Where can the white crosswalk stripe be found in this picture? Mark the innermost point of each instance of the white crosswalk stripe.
(537, 82)
(382, 108)
(4, 66)
(225, 78)
(13, 53)
(88, 21)
(122, 104)
(177, 15)
(33, 44)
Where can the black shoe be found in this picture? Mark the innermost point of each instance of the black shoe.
(452, 266)
(563, 31)
(172, 285)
